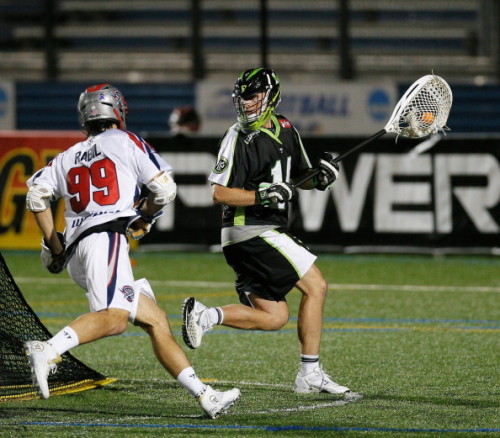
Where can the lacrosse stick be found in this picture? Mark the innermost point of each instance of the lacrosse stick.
(421, 111)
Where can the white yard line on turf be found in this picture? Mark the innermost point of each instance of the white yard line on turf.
(333, 286)
(352, 397)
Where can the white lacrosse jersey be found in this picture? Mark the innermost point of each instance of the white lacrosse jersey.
(100, 178)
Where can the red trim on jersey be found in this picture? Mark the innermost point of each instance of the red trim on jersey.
(284, 123)
(136, 140)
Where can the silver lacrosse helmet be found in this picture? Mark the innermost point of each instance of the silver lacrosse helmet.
(103, 102)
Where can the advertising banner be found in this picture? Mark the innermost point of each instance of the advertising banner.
(338, 109)
(386, 195)
(21, 154)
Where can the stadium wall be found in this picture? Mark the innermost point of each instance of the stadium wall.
(388, 197)
(317, 109)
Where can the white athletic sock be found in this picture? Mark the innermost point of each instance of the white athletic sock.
(189, 380)
(308, 363)
(215, 315)
(64, 340)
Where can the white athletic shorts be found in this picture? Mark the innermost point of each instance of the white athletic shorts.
(101, 266)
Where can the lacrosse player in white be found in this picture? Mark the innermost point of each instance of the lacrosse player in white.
(100, 180)
(259, 157)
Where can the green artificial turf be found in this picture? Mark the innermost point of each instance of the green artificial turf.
(415, 336)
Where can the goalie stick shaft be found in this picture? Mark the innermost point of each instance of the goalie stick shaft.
(360, 145)
(369, 140)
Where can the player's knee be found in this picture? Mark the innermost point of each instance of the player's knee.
(154, 319)
(161, 321)
(323, 288)
(121, 327)
(116, 327)
(278, 324)
(277, 321)
(117, 322)
(158, 317)
(318, 290)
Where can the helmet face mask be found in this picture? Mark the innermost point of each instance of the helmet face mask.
(256, 95)
(103, 102)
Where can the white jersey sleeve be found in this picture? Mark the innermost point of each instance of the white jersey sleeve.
(225, 160)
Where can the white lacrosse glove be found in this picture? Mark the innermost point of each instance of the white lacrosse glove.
(328, 172)
(274, 193)
(55, 263)
(140, 224)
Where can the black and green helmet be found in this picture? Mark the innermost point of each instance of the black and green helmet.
(250, 83)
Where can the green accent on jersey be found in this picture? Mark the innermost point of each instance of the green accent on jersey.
(277, 127)
(239, 216)
(304, 153)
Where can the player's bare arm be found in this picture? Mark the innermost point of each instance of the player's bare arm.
(270, 193)
(232, 196)
(45, 222)
(38, 201)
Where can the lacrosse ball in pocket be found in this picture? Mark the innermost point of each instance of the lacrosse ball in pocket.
(427, 118)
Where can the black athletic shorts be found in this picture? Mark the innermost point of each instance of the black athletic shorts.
(268, 265)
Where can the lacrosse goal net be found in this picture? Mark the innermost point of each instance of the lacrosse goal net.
(18, 323)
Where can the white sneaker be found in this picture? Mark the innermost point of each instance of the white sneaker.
(216, 402)
(318, 381)
(43, 359)
(195, 322)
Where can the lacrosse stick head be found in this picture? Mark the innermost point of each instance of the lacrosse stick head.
(423, 109)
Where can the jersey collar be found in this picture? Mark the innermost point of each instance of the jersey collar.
(277, 129)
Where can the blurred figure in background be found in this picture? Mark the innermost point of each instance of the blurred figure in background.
(184, 121)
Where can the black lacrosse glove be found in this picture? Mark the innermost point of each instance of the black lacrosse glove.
(328, 172)
(55, 263)
(274, 193)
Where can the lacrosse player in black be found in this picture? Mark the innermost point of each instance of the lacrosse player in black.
(259, 158)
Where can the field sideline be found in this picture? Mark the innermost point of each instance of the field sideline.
(415, 336)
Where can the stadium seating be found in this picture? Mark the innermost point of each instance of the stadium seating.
(150, 40)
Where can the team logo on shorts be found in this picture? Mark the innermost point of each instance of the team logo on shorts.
(221, 166)
(128, 293)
